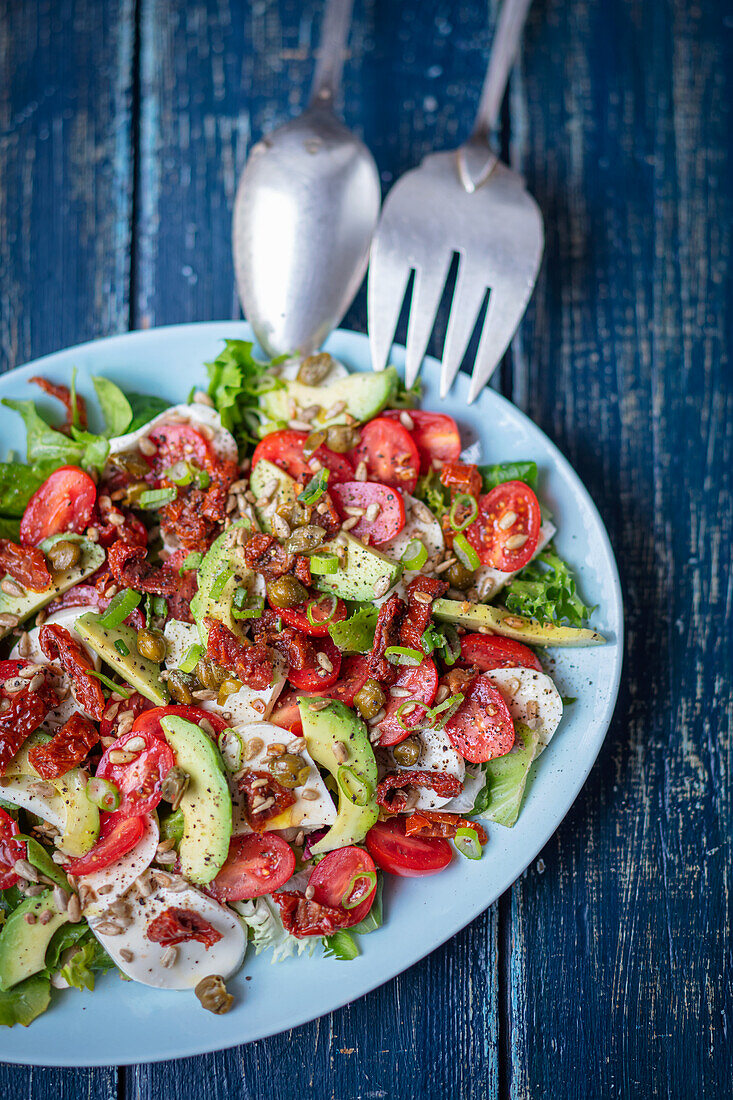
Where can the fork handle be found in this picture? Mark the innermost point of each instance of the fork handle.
(331, 52)
(504, 49)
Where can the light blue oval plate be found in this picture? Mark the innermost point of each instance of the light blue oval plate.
(151, 1025)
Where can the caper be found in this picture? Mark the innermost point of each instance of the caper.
(286, 591)
(314, 368)
(226, 688)
(132, 463)
(407, 753)
(151, 644)
(289, 770)
(370, 699)
(64, 555)
(305, 538)
(459, 577)
(213, 995)
(173, 787)
(181, 686)
(341, 438)
(313, 442)
(134, 491)
(209, 674)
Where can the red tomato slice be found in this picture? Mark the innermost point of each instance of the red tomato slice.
(482, 727)
(354, 674)
(117, 836)
(343, 880)
(490, 533)
(177, 441)
(149, 720)
(139, 782)
(285, 449)
(407, 856)
(485, 652)
(422, 684)
(257, 864)
(322, 610)
(389, 453)
(11, 849)
(286, 713)
(8, 669)
(64, 503)
(315, 677)
(436, 437)
(390, 518)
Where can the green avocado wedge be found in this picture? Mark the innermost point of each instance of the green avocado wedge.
(138, 671)
(22, 607)
(23, 943)
(365, 572)
(222, 571)
(361, 396)
(500, 621)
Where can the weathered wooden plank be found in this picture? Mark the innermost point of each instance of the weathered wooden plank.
(620, 963)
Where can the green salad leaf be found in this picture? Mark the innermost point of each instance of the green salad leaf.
(115, 407)
(144, 408)
(506, 778)
(18, 483)
(355, 634)
(432, 492)
(25, 1001)
(341, 945)
(404, 398)
(9, 528)
(508, 471)
(546, 590)
(236, 382)
(90, 958)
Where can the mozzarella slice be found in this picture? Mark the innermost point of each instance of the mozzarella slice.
(222, 442)
(112, 882)
(532, 698)
(289, 371)
(179, 637)
(436, 755)
(420, 523)
(305, 813)
(489, 581)
(143, 959)
(39, 797)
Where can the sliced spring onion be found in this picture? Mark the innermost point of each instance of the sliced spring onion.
(219, 582)
(445, 711)
(243, 609)
(191, 658)
(452, 646)
(408, 707)
(467, 843)
(323, 564)
(415, 555)
(103, 794)
(249, 612)
(460, 502)
(192, 561)
(355, 893)
(120, 607)
(231, 747)
(354, 787)
(156, 498)
(122, 648)
(465, 553)
(202, 478)
(315, 603)
(315, 488)
(180, 473)
(116, 688)
(404, 655)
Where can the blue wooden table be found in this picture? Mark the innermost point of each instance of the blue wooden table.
(606, 970)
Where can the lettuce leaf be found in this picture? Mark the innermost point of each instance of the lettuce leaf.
(236, 382)
(25, 1001)
(546, 590)
(506, 779)
(262, 919)
(340, 945)
(144, 408)
(432, 492)
(18, 483)
(90, 958)
(355, 634)
(115, 407)
(508, 471)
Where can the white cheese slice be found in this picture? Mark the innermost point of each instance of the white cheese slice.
(116, 880)
(489, 581)
(222, 442)
(532, 698)
(305, 813)
(436, 755)
(193, 961)
(420, 523)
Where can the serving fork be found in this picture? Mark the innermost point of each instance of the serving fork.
(465, 202)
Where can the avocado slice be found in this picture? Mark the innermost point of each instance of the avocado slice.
(22, 945)
(322, 729)
(364, 396)
(206, 804)
(138, 671)
(225, 554)
(365, 570)
(501, 621)
(261, 479)
(92, 556)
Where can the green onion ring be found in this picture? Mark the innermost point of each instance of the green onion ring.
(102, 793)
(467, 843)
(463, 500)
(191, 658)
(414, 703)
(120, 606)
(404, 655)
(356, 789)
(465, 553)
(323, 565)
(314, 603)
(415, 555)
(348, 901)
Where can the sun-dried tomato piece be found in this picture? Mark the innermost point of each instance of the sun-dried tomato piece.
(67, 748)
(251, 663)
(302, 569)
(432, 823)
(128, 566)
(58, 645)
(26, 565)
(386, 633)
(176, 925)
(63, 394)
(296, 647)
(21, 713)
(302, 916)
(391, 793)
(264, 554)
(462, 477)
(131, 530)
(266, 799)
(420, 595)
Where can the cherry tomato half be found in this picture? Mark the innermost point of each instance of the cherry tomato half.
(285, 449)
(354, 674)
(407, 856)
(317, 676)
(257, 864)
(176, 441)
(389, 453)
(485, 652)
(149, 720)
(482, 727)
(422, 684)
(286, 713)
(323, 611)
(436, 437)
(11, 849)
(507, 515)
(388, 503)
(139, 782)
(346, 879)
(117, 836)
(64, 503)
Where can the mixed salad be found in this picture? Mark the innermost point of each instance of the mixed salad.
(260, 649)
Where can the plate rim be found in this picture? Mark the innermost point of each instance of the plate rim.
(297, 1017)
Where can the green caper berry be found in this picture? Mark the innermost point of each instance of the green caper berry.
(341, 438)
(370, 699)
(286, 591)
(213, 995)
(227, 687)
(209, 674)
(459, 577)
(288, 769)
(64, 555)
(305, 538)
(314, 368)
(181, 686)
(134, 491)
(407, 753)
(132, 463)
(151, 644)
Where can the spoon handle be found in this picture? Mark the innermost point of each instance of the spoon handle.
(503, 52)
(332, 50)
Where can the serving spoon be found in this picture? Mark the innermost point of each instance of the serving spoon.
(306, 208)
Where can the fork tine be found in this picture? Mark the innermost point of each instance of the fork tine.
(426, 295)
(468, 297)
(500, 324)
(389, 274)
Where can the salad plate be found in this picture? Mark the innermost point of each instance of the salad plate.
(155, 1024)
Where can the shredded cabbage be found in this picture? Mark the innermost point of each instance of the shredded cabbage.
(262, 919)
